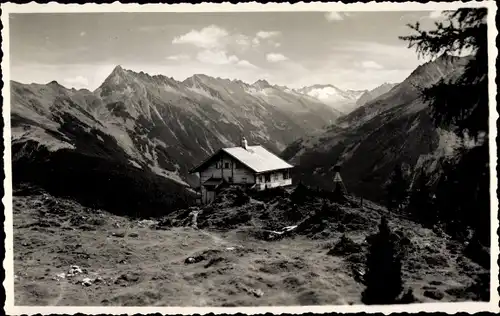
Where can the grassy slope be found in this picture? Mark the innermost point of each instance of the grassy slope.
(52, 234)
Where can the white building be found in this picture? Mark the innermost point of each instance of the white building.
(252, 166)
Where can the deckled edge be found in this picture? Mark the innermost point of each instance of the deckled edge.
(51, 6)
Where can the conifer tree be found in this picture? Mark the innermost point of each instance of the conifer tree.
(383, 268)
(462, 106)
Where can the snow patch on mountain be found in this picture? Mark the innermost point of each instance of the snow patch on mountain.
(340, 100)
(327, 94)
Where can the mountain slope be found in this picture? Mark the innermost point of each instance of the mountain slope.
(201, 114)
(153, 125)
(368, 96)
(393, 129)
(60, 145)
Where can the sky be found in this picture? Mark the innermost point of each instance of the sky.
(351, 50)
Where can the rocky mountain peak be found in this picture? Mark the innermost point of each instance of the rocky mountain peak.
(262, 84)
(118, 71)
(55, 84)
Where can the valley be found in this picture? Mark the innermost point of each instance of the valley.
(393, 129)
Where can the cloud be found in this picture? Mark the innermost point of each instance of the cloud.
(79, 81)
(370, 64)
(246, 63)
(83, 33)
(178, 57)
(391, 56)
(216, 57)
(336, 16)
(209, 37)
(222, 58)
(267, 34)
(275, 57)
(435, 14)
(214, 38)
(242, 40)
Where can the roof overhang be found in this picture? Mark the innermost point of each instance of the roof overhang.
(272, 170)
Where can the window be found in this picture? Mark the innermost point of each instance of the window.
(244, 179)
(230, 179)
(268, 177)
(286, 175)
(218, 165)
(275, 177)
(262, 179)
(226, 165)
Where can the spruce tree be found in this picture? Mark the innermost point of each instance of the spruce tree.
(383, 268)
(461, 105)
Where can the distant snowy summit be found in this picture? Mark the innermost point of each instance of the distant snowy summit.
(344, 101)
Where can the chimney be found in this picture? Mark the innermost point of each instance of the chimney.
(244, 143)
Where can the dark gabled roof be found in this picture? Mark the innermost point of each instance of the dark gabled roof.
(256, 158)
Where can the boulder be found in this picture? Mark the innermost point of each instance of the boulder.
(87, 282)
(434, 294)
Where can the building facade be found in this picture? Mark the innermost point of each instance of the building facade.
(251, 166)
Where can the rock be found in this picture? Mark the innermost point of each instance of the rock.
(59, 276)
(87, 282)
(434, 294)
(133, 235)
(119, 235)
(147, 223)
(127, 278)
(99, 280)
(258, 292)
(74, 270)
(196, 259)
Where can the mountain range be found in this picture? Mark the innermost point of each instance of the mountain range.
(154, 126)
(392, 129)
(144, 133)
